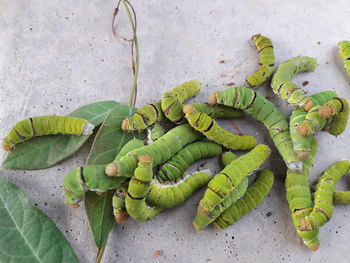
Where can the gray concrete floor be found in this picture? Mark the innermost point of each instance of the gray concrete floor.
(58, 55)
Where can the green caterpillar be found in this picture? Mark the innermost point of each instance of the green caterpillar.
(144, 117)
(152, 113)
(171, 195)
(224, 183)
(45, 125)
(302, 144)
(344, 51)
(266, 63)
(160, 151)
(323, 208)
(213, 131)
(139, 185)
(265, 111)
(93, 178)
(299, 198)
(321, 117)
(283, 86)
(175, 167)
(118, 203)
(172, 101)
(203, 219)
(254, 195)
(339, 121)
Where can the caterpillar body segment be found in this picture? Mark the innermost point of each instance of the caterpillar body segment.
(144, 117)
(344, 51)
(309, 237)
(227, 158)
(211, 129)
(205, 217)
(150, 114)
(171, 195)
(265, 111)
(93, 177)
(176, 166)
(339, 121)
(225, 182)
(266, 63)
(172, 101)
(118, 203)
(139, 185)
(283, 86)
(323, 208)
(217, 111)
(302, 144)
(297, 183)
(300, 200)
(341, 197)
(160, 151)
(254, 195)
(46, 125)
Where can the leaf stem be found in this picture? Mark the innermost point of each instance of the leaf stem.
(134, 45)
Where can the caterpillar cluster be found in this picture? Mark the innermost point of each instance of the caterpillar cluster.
(150, 178)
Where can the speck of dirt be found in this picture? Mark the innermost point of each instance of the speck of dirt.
(268, 214)
(222, 61)
(229, 84)
(305, 83)
(157, 253)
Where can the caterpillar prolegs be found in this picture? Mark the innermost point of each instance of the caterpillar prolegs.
(46, 125)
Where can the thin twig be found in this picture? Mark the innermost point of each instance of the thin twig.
(134, 45)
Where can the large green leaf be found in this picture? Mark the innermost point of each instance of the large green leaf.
(26, 234)
(45, 151)
(108, 142)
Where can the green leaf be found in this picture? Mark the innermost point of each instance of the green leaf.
(108, 142)
(46, 151)
(27, 234)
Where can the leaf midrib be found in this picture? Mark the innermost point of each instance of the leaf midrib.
(19, 230)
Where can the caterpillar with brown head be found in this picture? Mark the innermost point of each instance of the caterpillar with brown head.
(203, 219)
(266, 63)
(210, 128)
(46, 125)
(299, 198)
(225, 182)
(93, 177)
(323, 208)
(160, 151)
(255, 194)
(265, 111)
(325, 117)
(282, 85)
(302, 144)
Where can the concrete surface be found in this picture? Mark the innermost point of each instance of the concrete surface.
(58, 55)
